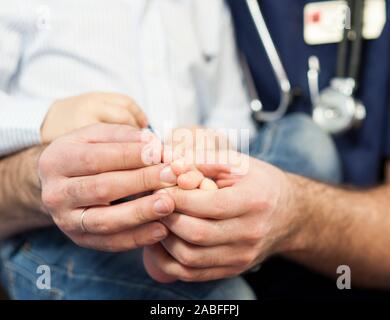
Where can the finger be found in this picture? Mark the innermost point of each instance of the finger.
(214, 170)
(204, 232)
(171, 154)
(114, 219)
(190, 180)
(154, 271)
(101, 189)
(106, 133)
(208, 184)
(180, 166)
(138, 114)
(117, 114)
(212, 163)
(144, 235)
(173, 268)
(193, 256)
(214, 204)
(131, 106)
(228, 176)
(89, 159)
(183, 165)
(226, 183)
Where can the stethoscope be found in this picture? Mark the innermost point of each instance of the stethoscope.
(335, 109)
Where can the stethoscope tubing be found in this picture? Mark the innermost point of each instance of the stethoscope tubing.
(276, 63)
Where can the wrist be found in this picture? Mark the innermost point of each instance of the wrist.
(31, 197)
(300, 216)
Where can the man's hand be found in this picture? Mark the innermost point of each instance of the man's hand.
(225, 232)
(268, 212)
(90, 168)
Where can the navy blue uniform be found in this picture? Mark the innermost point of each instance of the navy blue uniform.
(362, 151)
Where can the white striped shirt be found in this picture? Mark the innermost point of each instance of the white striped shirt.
(176, 58)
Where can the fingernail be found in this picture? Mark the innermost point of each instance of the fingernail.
(168, 176)
(159, 234)
(161, 207)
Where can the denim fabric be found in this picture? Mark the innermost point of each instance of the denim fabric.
(293, 143)
(297, 145)
(78, 273)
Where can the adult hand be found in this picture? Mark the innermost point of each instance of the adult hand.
(223, 233)
(90, 168)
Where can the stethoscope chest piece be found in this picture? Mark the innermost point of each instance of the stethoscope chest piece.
(335, 109)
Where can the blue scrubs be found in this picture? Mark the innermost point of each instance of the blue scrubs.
(362, 151)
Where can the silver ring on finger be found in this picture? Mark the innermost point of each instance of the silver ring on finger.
(82, 220)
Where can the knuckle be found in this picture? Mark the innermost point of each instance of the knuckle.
(65, 225)
(140, 214)
(188, 276)
(143, 180)
(61, 223)
(127, 155)
(186, 258)
(99, 225)
(80, 189)
(257, 203)
(88, 188)
(100, 192)
(246, 258)
(199, 236)
(136, 242)
(253, 233)
(73, 189)
(44, 162)
(51, 198)
(88, 162)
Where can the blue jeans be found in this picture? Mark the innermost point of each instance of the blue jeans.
(297, 145)
(293, 143)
